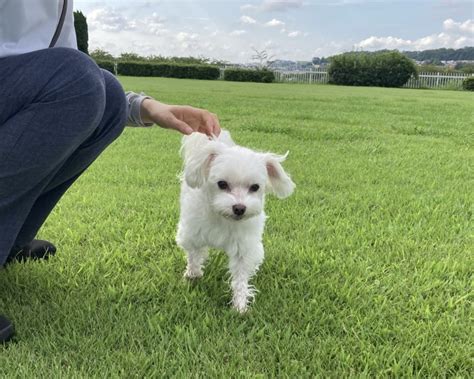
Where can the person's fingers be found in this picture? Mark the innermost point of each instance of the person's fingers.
(184, 128)
(180, 126)
(209, 124)
(216, 129)
(188, 119)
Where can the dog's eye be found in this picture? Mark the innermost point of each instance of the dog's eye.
(222, 185)
(254, 188)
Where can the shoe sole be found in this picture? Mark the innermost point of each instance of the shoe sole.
(21, 258)
(6, 334)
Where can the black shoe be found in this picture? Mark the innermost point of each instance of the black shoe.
(6, 329)
(36, 249)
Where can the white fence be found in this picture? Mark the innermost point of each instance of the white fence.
(450, 80)
(437, 80)
(309, 77)
(425, 79)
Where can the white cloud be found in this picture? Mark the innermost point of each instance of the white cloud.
(247, 20)
(147, 32)
(330, 48)
(349, 2)
(109, 20)
(273, 6)
(237, 32)
(154, 24)
(188, 41)
(248, 7)
(185, 37)
(197, 18)
(460, 27)
(270, 44)
(280, 5)
(383, 42)
(294, 34)
(455, 35)
(274, 22)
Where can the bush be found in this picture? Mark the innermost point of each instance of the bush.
(134, 69)
(380, 69)
(106, 65)
(246, 75)
(168, 70)
(468, 84)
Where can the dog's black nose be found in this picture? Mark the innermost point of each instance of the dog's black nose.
(238, 209)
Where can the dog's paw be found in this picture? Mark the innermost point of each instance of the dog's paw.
(241, 309)
(193, 273)
(240, 304)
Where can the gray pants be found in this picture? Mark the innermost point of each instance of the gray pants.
(58, 112)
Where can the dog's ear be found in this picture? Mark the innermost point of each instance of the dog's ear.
(198, 153)
(196, 171)
(279, 182)
(225, 138)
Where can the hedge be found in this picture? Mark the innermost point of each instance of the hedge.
(168, 70)
(245, 75)
(106, 65)
(380, 69)
(468, 84)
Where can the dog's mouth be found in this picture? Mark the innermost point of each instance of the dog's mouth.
(234, 217)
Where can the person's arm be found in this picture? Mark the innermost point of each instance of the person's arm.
(134, 104)
(145, 111)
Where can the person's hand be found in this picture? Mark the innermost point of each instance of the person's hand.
(182, 118)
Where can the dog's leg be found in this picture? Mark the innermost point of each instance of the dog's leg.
(196, 260)
(242, 267)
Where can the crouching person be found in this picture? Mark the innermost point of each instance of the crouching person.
(58, 113)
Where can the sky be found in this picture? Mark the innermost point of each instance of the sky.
(232, 30)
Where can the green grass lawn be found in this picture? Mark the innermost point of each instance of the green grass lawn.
(368, 269)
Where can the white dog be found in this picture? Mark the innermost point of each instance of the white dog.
(222, 198)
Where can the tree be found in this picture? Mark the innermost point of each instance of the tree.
(82, 34)
(443, 54)
(131, 57)
(264, 60)
(467, 68)
(101, 55)
(319, 61)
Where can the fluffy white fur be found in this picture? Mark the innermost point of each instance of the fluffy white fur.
(211, 216)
